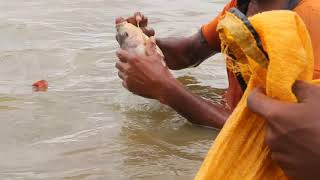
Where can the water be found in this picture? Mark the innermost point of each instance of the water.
(87, 126)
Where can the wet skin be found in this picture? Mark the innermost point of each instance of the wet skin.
(181, 53)
(292, 130)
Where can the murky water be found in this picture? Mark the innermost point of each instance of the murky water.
(87, 126)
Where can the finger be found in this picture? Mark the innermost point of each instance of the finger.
(269, 135)
(132, 20)
(121, 75)
(279, 158)
(144, 21)
(125, 56)
(263, 105)
(122, 59)
(137, 14)
(276, 142)
(304, 90)
(122, 66)
(124, 84)
(141, 19)
(151, 46)
(138, 19)
(119, 20)
(148, 31)
(283, 160)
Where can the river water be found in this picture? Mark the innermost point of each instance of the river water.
(87, 126)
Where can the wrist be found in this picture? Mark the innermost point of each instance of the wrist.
(167, 90)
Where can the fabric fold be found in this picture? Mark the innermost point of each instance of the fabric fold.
(281, 54)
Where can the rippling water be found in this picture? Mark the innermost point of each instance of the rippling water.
(87, 126)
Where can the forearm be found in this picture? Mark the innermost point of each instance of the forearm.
(184, 52)
(194, 108)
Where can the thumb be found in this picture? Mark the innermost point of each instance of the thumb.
(151, 46)
(263, 105)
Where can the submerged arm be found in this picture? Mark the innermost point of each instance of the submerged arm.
(148, 77)
(194, 108)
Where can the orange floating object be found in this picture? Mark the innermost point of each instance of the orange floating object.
(41, 85)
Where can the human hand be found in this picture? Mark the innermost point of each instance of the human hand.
(139, 20)
(147, 76)
(292, 129)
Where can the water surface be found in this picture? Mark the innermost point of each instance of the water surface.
(87, 126)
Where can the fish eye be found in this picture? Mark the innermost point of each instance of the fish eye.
(126, 34)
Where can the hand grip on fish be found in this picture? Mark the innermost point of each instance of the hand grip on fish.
(132, 38)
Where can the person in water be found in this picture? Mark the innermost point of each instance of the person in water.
(293, 130)
(156, 82)
(290, 127)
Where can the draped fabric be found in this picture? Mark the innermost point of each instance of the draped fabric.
(273, 50)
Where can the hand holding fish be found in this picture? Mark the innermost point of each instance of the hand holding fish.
(143, 75)
(144, 69)
(141, 62)
(141, 21)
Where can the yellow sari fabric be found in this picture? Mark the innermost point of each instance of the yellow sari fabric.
(274, 53)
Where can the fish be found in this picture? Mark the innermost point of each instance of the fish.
(41, 85)
(131, 38)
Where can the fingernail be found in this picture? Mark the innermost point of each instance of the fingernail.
(138, 18)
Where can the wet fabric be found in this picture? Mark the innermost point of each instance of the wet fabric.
(209, 30)
(309, 11)
(259, 48)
